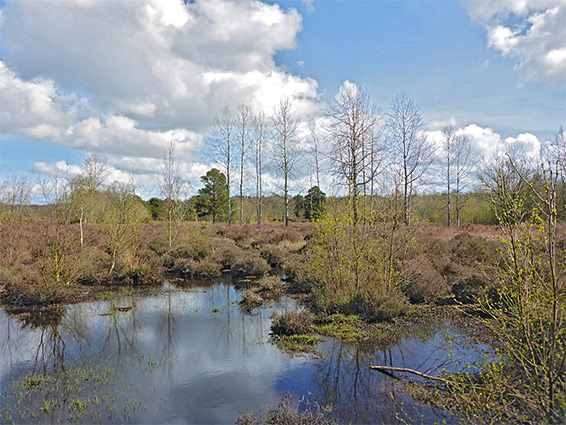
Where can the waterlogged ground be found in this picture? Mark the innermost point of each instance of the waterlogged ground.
(193, 356)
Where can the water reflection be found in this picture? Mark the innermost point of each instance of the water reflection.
(190, 355)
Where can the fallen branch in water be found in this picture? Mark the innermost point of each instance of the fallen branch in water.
(385, 369)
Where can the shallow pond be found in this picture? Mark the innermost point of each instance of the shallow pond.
(193, 356)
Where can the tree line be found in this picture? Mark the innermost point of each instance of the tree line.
(358, 151)
(361, 153)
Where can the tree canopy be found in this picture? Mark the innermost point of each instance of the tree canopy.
(212, 200)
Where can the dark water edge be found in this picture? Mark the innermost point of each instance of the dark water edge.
(192, 356)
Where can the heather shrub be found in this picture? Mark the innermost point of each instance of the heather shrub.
(12, 275)
(470, 250)
(274, 254)
(226, 252)
(189, 268)
(469, 290)
(270, 287)
(250, 300)
(422, 282)
(297, 273)
(289, 413)
(250, 263)
(292, 323)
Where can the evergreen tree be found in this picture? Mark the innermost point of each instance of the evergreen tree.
(212, 200)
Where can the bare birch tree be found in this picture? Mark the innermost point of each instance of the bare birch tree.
(85, 188)
(411, 151)
(462, 156)
(171, 186)
(353, 121)
(221, 142)
(244, 122)
(14, 197)
(284, 127)
(457, 155)
(259, 135)
(449, 134)
(558, 156)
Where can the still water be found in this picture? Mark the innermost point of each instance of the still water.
(192, 356)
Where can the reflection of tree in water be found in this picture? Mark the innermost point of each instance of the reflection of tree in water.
(344, 380)
(168, 329)
(122, 326)
(55, 329)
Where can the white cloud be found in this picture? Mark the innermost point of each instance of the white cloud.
(163, 62)
(57, 169)
(309, 5)
(119, 135)
(485, 142)
(503, 39)
(526, 143)
(34, 109)
(533, 32)
(37, 110)
(124, 78)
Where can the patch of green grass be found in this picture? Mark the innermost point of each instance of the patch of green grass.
(294, 344)
(346, 328)
(75, 393)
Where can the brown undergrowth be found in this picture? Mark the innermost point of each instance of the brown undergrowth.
(45, 263)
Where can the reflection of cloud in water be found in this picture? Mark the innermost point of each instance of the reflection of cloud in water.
(195, 356)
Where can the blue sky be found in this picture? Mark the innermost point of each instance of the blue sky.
(431, 49)
(121, 79)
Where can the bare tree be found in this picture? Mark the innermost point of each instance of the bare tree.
(457, 155)
(123, 216)
(259, 135)
(171, 186)
(285, 146)
(558, 156)
(462, 157)
(353, 123)
(449, 134)
(315, 142)
(411, 151)
(221, 141)
(508, 190)
(14, 196)
(316, 161)
(86, 186)
(244, 118)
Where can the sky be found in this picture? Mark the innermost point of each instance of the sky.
(122, 78)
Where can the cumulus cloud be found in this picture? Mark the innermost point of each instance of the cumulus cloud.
(162, 62)
(124, 78)
(485, 143)
(57, 169)
(534, 33)
(35, 109)
(119, 135)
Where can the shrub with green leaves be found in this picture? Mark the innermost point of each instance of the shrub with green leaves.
(357, 266)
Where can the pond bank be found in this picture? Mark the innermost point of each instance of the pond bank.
(199, 356)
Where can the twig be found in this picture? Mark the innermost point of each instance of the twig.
(385, 369)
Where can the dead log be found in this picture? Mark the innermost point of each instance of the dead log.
(385, 369)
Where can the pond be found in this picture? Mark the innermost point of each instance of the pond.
(191, 355)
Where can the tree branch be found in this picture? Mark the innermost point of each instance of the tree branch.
(384, 369)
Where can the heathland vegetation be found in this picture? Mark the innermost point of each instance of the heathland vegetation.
(374, 253)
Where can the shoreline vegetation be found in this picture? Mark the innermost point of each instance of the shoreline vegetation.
(442, 272)
(365, 279)
(50, 268)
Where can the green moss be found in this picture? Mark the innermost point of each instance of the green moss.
(294, 344)
(346, 328)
